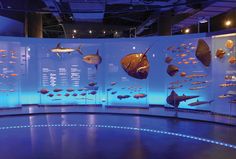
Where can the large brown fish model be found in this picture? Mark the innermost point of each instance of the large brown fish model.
(203, 53)
(136, 65)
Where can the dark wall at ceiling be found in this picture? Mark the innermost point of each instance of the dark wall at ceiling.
(218, 22)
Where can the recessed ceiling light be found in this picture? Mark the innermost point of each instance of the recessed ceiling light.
(187, 30)
(228, 22)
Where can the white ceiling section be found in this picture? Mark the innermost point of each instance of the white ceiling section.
(87, 10)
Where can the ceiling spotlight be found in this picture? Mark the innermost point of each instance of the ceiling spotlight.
(74, 31)
(90, 31)
(228, 23)
(186, 31)
(116, 32)
(134, 47)
(104, 32)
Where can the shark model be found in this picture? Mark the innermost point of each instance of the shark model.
(60, 50)
(174, 99)
(200, 103)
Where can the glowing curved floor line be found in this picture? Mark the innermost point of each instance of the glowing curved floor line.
(124, 128)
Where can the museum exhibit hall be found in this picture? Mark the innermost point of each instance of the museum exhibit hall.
(118, 79)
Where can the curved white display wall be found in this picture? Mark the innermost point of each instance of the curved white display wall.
(186, 72)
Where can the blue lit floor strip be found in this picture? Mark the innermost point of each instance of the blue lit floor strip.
(123, 128)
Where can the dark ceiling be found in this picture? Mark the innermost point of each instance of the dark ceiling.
(115, 17)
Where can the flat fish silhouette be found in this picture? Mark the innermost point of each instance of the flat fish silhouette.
(172, 70)
(136, 65)
(93, 59)
(168, 59)
(220, 53)
(203, 53)
(229, 44)
(232, 60)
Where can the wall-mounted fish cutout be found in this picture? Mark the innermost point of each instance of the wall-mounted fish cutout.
(232, 60)
(141, 95)
(61, 50)
(67, 94)
(197, 88)
(93, 59)
(220, 53)
(224, 96)
(51, 95)
(92, 84)
(136, 65)
(123, 96)
(174, 99)
(233, 101)
(175, 86)
(196, 76)
(229, 44)
(43, 91)
(168, 59)
(183, 74)
(203, 53)
(197, 103)
(228, 85)
(172, 70)
(93, 93)
(70, 90)
(57, 90)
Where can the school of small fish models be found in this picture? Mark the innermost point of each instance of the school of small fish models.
(9, 72)
(183, 56)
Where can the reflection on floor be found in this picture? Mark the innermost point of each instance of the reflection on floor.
(113, 136)
(153, 111)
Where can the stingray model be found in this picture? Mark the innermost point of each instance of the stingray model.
(59, 50)
(136, 65)
(203, 52)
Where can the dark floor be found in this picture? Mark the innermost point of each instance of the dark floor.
(38, 137)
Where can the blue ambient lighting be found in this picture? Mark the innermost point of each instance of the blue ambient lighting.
(123, 128)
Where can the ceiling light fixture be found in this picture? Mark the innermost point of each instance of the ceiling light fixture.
(187, 30)
(228, 23)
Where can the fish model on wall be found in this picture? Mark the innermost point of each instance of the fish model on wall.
(229, 44)
(197, 103)
(141, 95)
(168, 59)
(136, 65)
(220, 53)
(174, 99)
(203, 53)
(60, 50)
(232, 60)
(172, 70)
(93, 59)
